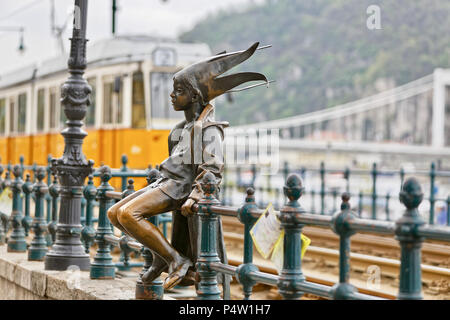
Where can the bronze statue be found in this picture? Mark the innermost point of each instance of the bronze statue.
(195, 147)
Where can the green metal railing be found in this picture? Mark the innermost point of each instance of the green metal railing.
(410, 229)
(321, 195)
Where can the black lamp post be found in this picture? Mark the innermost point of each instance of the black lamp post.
(72, 168)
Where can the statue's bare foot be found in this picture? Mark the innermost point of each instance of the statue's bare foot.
(158, 266)
(177, 271)
(189, 279)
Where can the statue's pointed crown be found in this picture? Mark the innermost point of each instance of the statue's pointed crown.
(204, 75)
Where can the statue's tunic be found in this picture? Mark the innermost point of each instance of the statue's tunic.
(194, 148)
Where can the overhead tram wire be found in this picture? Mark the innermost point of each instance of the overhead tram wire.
(21, 9)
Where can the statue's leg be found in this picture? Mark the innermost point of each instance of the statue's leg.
(132, 217)
(180, 241)
(114, 210)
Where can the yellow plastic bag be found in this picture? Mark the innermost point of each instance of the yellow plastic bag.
(278, 254)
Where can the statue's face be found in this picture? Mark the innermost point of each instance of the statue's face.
(181, 96)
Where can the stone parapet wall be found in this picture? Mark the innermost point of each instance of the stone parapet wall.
(21, 279)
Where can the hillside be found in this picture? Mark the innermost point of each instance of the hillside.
(323, 54)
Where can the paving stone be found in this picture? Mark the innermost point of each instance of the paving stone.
(2, 268)
(38, 283)
(10, 271)
(22, 276)
(21, 279)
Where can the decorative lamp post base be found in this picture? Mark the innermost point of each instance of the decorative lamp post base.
(61, 263)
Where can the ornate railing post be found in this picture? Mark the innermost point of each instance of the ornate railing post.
(347, 179)
(432, 191)
(54, 191)
(102, 267)
(6, 184)
(22, 167)
(154, 290)
(448, 211)
(27, 187)
(248, 220)
(48, 199)
(291, 273)
(72, 167)
(124, 168)
(360, 203)
(38, 247)
(7, 181)
(16, 242)
(386, 207)
(3, 215)
(322, 187)
(410, 243)
(34, 169)
(207, 287)
(340, 225)
(125, 250)
(374, 174)
(88, 232)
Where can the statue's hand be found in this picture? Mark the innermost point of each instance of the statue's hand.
(186, 208)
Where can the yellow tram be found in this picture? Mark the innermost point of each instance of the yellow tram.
(130, 111)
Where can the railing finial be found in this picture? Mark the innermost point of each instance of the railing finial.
(152, 176)
(209, 184)
(124, 160)
(17, 171)
(105, 173)
(345, 197)
(411, 195)
(250, 195)
(293, 189)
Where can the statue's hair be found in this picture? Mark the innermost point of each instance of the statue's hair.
(185, 81)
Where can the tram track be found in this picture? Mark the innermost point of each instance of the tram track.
(321, 261)
(360, 262)
(434, 253)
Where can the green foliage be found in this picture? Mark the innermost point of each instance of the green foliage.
(323, 53)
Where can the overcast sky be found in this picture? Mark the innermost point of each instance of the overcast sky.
(153, 17)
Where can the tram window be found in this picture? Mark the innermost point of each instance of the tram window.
(112, 102)
(12, 123)
(161, 87)
(2, 116)
(138, 102)
(107, 103)
(53, 108)
(90, 114)
(22, 111)
(40, 109)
